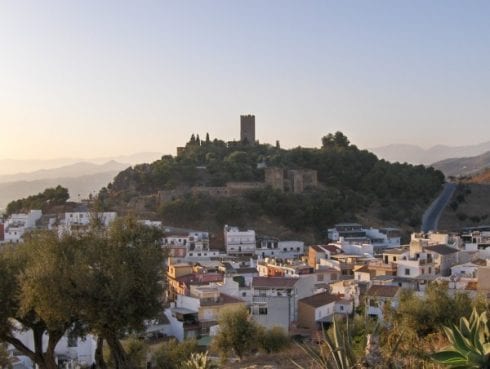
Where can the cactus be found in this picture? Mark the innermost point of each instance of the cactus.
(470, 344)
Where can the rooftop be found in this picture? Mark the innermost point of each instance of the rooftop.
(382, 291)
(442, 249)
(274, 282)
(320, 299)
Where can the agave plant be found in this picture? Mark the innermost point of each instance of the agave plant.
(470, 344)
(199, 361)
(335, 351)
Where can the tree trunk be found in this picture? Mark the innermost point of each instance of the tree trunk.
(121, 360)
(99, 354)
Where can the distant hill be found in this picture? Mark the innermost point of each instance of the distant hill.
(68, 171)
(465, 166)
(414, 154)
(480, 178)
(82, 185)
(15, 166)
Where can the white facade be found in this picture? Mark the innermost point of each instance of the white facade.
(239, 242)
(280, 249)
(465, 270)
(17, 224)
(80, 220)
(194, 241)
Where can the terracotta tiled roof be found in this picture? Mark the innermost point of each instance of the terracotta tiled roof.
(383, 291)
(274, 282)
(320, 299)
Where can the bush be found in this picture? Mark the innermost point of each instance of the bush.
(172, 353)
(274, 340)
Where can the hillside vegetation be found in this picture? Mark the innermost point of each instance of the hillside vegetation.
(353, 183)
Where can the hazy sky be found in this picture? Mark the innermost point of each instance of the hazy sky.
(96, 78)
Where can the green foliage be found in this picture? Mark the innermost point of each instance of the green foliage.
(137, 351)
(51, 196)
(199, 361)
(237, 332)
(416, 327)
(335, 350)
(353, 181)
(430, 314)
(105, 282)
(274, 339)
(171, 353)
(470, 343)
(337, 140)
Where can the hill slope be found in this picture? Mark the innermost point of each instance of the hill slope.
(458, 167)
(354, 185)
(416, 155)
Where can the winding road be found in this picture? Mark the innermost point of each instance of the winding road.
(430, 219)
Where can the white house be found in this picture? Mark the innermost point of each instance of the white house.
(239, 242)
(79, 221)
(378, 296)
(272, 247)
(17, 224)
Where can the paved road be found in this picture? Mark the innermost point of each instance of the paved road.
(430, 219)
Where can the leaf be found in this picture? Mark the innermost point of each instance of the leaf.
(449, 357)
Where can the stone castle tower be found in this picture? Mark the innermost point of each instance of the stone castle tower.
(247, 129)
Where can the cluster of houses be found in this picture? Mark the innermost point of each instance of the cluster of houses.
(283, 283)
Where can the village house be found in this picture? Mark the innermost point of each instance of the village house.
(378, 296)
(239, 242)
(316, 312)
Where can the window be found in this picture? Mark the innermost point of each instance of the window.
(341, 307)
(319, 277)
(407, 271)
(394, 258)
(262, 310)
(430, 270)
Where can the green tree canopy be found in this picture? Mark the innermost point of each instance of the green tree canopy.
(238, 333)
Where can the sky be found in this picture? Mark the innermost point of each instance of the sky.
(89, 78)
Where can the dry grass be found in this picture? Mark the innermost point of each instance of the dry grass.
(476, 203)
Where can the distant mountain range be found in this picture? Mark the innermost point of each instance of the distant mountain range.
(79, 187)
(68, 171)
(16, 166)
(81, 178)
(464, 166)
(414, 154)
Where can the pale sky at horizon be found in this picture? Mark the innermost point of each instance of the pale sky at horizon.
(88, 78)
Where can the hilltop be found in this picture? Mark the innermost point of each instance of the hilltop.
(351, 184)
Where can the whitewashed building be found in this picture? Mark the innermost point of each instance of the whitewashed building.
(17, 224)
(238, 242)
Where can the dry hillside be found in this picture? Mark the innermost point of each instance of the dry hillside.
(469, 207)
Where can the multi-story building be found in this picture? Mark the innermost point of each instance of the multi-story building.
(354, 233)
(239, 242)
(272, 247)
(17, 224)
(79, 221)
